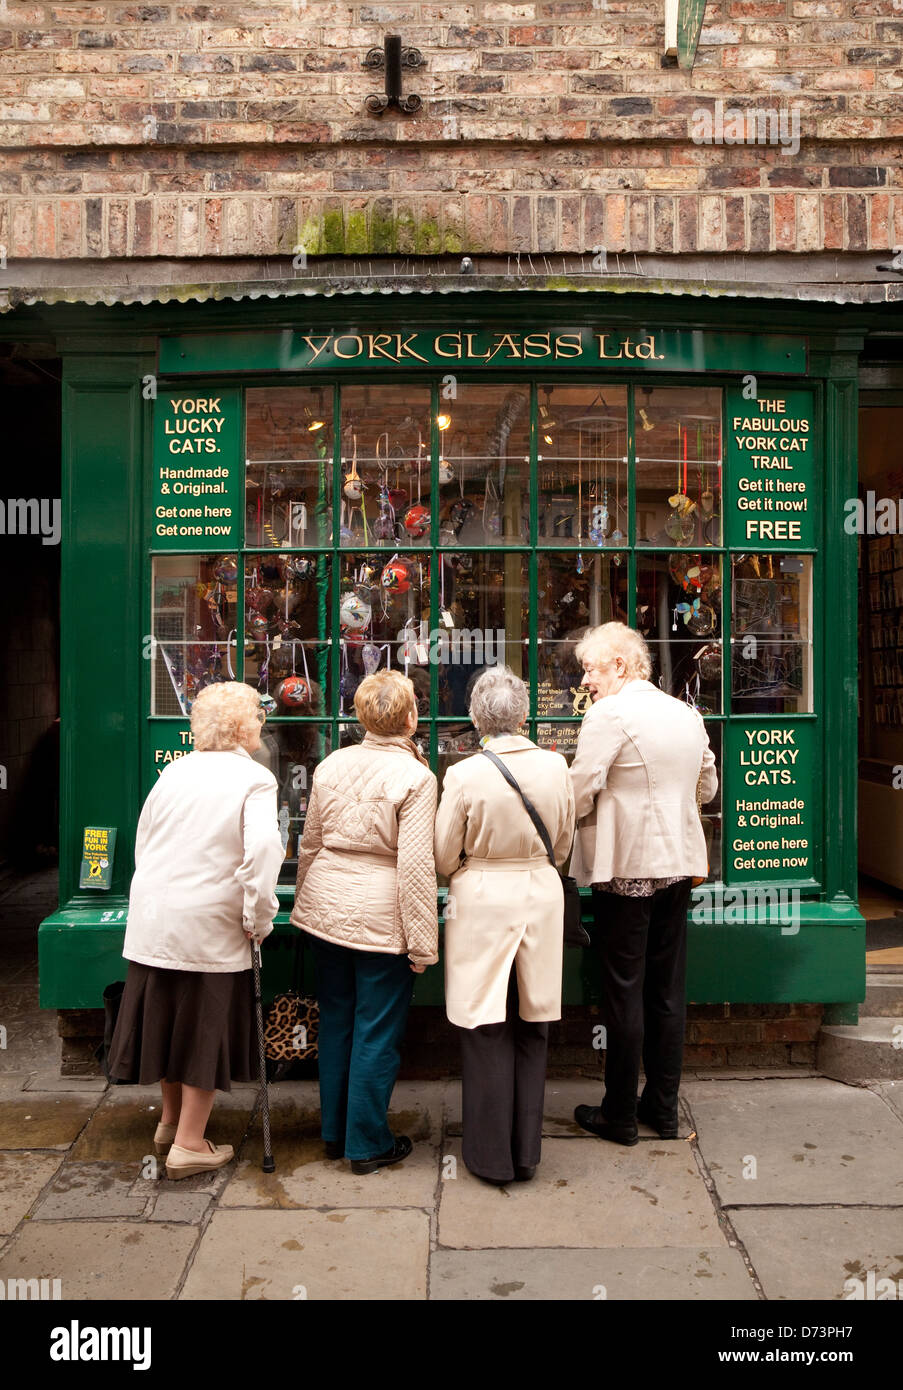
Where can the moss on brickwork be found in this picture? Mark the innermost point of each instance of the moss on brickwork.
(383, 232)
(333, 232)
(427, 241)
(357, 238)
(310, 237)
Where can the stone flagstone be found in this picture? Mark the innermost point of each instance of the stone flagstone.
(574, 1275)
(349, 1255)
(586, 1195)
(812, 1141)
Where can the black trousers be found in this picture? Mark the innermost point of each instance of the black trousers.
(642, 945)
(503, 1081)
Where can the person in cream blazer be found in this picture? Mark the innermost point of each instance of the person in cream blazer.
(642, 760)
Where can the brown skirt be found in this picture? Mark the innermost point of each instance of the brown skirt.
(187, 1026)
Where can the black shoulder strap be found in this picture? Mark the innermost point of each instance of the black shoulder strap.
(531, 810)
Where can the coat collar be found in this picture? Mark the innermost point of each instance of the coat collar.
(508, 743)
(401, 742)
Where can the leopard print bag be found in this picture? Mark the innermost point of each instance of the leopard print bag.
(292, 1025)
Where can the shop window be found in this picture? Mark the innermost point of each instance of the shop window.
(582, 466)
(287, 622)
(711, 814)
(288, 482)
(193, 623)
(771, 641)
(292, 752)
(484, 465)
(484, 612)
(385, 466)
(384, 610)
(678, 611)
(574, 591)
(678, 465)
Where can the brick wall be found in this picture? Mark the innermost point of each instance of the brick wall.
(180, 130)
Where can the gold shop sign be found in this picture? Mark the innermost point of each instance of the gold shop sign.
(338, 349)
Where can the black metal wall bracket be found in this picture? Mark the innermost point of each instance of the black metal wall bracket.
(393, 58)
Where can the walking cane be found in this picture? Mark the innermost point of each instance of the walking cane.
(269, 1163)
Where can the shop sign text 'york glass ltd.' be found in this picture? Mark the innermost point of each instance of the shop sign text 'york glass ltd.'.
(598, 347)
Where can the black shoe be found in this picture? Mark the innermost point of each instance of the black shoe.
(399, 1150)
(334, 1149)
(589, 1117)
(524, 1174)
(665, 1127)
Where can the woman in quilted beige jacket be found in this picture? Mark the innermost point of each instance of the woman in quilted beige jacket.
(366, 894)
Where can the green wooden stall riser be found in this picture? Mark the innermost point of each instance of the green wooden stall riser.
(742, 963)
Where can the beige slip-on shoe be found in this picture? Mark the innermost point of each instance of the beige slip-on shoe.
(184, 1163)
(163, 1137)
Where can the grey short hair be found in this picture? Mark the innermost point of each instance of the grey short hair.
(499, 702)
(600, 645)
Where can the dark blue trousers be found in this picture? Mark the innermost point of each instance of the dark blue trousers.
(364, 998)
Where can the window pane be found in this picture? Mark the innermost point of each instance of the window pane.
(771, 643)
(483, 621)
(484, 466)
(193, 600)
(288, 484)
(560, 738)
(582, 466)
(384, 613)
(678, 465)
(287, 623)
(385, 465)
(711, 814)
(575, 591)
(679, 614)
(292, 753)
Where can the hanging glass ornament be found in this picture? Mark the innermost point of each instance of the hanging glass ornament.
(446, 473)
(256, 626)
(268, 704)
(708, 660)
(396, 577)
(370, 657)
(354, 612)
(300, 566)
(294, 692)
(226, 569)
(259, 599)
(417, 521)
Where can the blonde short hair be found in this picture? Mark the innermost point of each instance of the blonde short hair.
(224, 715)
(600, 645)
(384, 702)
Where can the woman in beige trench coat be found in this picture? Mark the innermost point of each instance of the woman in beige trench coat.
(503, 927)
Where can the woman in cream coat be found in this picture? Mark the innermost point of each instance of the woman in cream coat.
(503, 927)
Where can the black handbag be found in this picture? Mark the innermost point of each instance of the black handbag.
(575, 934)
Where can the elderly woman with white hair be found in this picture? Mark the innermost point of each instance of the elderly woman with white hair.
(641, 756)
(503, 926)
(207, 857)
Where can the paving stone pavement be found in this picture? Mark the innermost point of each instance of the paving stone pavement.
(780, 1186)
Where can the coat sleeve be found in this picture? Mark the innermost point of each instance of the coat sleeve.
(263, 857)
(417, 872)
(598, 744)
(562, 846)
(451, 824)
(312, 838)
(708, 772)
